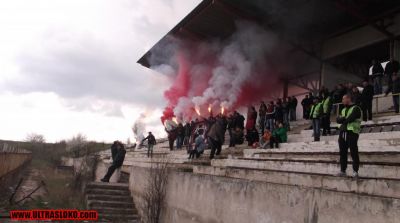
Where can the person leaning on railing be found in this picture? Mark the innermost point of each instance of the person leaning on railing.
(394, 88)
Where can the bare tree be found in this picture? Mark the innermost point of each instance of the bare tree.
(154, 196)
(76, 143)
(35, 138)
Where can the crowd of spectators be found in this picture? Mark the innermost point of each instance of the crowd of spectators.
(267, 126)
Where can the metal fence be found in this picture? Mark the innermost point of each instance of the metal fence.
(7, 148)
(376, 99)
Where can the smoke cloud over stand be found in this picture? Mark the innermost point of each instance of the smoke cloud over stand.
(139, 128)
(229, 74)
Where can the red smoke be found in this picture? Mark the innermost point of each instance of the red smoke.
(179, 88)
(199, 63)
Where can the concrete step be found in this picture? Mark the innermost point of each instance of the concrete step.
(114, 210)
(99, 191)
(309, 138)
(388, 188)
(100, 204)
(119, 218)
(389, 157)
(103, 185)
(364, 144)
(367, 169)
(109, 198)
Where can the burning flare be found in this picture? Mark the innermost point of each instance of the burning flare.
(175, 120)
(222, 110)
(197, 109)
(209, 108)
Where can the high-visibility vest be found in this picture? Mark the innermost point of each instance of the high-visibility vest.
(326, 104)
(354, 126)
(315, 110)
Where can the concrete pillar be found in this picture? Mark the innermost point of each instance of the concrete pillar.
(395, 51)
(285, 88)
(322, 75)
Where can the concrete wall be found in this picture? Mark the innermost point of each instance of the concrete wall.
(101, 170)
(12, 161)
(205, 198)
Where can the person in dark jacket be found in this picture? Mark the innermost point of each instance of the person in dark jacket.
(172, 134)
(356, 96)
(216, 136)
(377, 74)
(337, 97)
(367, 96)
(118, 160)
(394, 88)
(262, 112)
(239, 120)
(350, 127)
(251, 118)
(270, 116)
(231, 127)
(114, 149)
(180, 136)
(151, 141)
(279, 111)
(304, 104)
(188, 132)
(391, 67)
(285, 111)
(293, 108)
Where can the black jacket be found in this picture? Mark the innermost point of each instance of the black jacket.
(392, 67)
(367, 94)
(394, 87)
(119, 158)
(114, 150)
(377, 69)
(151, 139)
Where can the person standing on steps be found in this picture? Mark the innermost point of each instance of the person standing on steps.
(315, 116)
(216, 135)
(151, 141)
(304, 104)
(262, 113)
(326, 116)
(350, 127)
(367, 96)
(118, 160)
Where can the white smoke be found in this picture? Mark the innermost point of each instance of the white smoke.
(139, 128)
(220, 70)
(248, 46)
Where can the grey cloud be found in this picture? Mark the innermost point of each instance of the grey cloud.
(77, 64)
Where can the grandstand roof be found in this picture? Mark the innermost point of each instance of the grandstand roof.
(303, 23)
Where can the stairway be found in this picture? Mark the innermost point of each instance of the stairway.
(113, 201)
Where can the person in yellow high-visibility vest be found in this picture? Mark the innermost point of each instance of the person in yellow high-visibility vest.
(315, 116)
(350, 127)
(326, 116)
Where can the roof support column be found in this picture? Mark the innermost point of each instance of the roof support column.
(285, 88)
(395, 49)
(321, 75)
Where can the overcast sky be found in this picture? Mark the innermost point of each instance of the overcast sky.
(69, 66)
